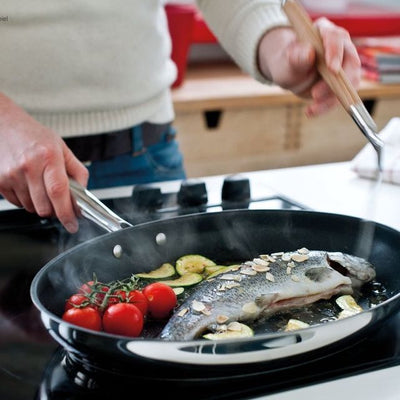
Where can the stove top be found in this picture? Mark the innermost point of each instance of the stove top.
(33, 366)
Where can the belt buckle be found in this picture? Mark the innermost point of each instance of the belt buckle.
(139, 152)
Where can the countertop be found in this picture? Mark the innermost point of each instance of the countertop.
(224, 86)
(336, 188)
(383, 385)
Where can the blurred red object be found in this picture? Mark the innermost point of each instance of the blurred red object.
(180, 23)
(363, 19)
(201, 31)
(359, 19)
(187, 26)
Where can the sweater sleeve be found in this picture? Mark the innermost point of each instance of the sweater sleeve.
(239, 25)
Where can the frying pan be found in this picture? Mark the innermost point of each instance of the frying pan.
(226, 236)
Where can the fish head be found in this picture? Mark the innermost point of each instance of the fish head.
(357, 269)
(308, 279)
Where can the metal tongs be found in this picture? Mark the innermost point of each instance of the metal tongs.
(339, 83)
(95, 210)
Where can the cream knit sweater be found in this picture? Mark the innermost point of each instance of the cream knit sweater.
(84, 67)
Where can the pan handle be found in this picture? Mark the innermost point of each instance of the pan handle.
(93, 209)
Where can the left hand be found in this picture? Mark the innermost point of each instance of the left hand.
(291, 64)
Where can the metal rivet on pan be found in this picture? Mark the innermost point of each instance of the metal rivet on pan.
(117, 251)
(161, 239)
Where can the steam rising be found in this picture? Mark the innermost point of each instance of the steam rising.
(367, 232)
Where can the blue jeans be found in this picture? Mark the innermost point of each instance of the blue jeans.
(161, 161)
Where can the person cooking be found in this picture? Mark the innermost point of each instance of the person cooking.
(85, 89)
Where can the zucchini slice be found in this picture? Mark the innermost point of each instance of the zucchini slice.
(188, 279)
(193, 263)
(221, 269)
(240, 331)
(210, 269)
(178, 290)
(165, 271)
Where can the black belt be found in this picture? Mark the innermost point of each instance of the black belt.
(107, 145)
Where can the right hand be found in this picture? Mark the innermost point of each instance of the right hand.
(35, 164)
(292, 64)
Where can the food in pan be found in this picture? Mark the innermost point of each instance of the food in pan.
(189, 270)
(120, 307)
(198, 298)
(187, 279)
(262, 287)
(165, 271)
(194, 263)
(232, 330)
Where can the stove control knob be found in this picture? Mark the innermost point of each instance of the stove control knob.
(192, 193)
(236, 188)
(146, 197)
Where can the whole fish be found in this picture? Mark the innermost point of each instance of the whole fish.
(260, 288)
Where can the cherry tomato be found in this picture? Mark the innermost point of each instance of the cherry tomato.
(137, 298)
(76, 300)
(118, 296)
(88, 287)
(86, 317)
(161, 299)
(100, 296)
(123, 319)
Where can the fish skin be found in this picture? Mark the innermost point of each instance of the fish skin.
(251, 297)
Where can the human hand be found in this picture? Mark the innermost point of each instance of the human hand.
(35, 164)
(291, 64)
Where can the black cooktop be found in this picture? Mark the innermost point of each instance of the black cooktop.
(33, 366)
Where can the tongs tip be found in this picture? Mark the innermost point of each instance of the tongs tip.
(369, 129)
